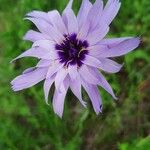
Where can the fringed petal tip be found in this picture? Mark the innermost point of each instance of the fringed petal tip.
(15, 89)
(12, 82)
(121, 66)
(70, 3)
(116, 98)
(30, 13)
(14, 60)
(99, 112)
(28, 18)
(47, 102)
(101, 108)
(59, 115)
(12, 87)
(139, 38)
(84, 104)
(25, 18)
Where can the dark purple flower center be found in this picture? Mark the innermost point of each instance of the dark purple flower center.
(72, 50)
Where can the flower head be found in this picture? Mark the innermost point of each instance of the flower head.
(72, 52)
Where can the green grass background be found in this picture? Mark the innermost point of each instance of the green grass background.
(27, 123)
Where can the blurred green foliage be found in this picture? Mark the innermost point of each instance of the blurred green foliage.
(26, 122)
(141, 144)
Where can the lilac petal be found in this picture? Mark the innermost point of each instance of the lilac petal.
(104, 45)
(87, 76)
(35, 36)
(96, 50)
(121, 48)
(110, 42)
(110, 11)
(59, 98)
(52, 17)
(49, 46)
(46, 44)
(83, 12)
(102, 81)
(109, 2)
(95, 13)
(38, 14)
(75, 86)
(29, 79)
(60, 76)
(44, 63)
(94, 95)
(72, 70)
(35, 72)
(105, 64)
(91, 21)
(58, 102)
(69, 6)
(53, 69)
(98, 34)
(70, 19)
(92, 61)
(35, 52)
(42, 25)
(47, 85)
(57, 21)
(29, 70)
(47, 29)
(83, 32)
(109, 65)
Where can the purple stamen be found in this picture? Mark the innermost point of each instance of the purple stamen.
(72, 52)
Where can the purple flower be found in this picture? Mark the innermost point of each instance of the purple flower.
(72, 52)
